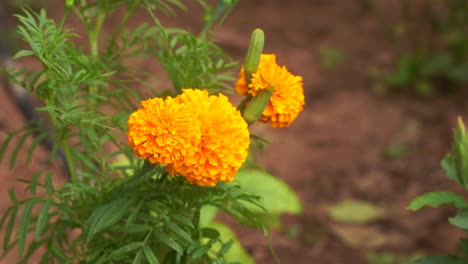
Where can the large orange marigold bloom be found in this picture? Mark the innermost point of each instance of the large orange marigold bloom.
(163, 131)
(287, 100)
(200, 137)
(224, 139)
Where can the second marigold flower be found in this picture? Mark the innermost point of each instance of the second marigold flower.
(287, 100)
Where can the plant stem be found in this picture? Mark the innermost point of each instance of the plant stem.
(121, 25)
(93, 36)
(69, 158)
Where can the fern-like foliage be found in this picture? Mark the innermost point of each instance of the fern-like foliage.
(132, 213)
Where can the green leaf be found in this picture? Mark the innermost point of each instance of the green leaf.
(448, 164)
(440, 259)
(24, 226)
(125, 249)
(165, 239)
(9, 229)
(460, 220)
(49, 186)
(137, 258)
(356, 212)
(33, 183)
(150, 256)
(236, 252)
(23, 53)
(276, 196)
(5, 144)
(207, 214)
(210, 232)
(179, 231)
(105, 216)
(19, 146)
(435, 199)
(42, 220)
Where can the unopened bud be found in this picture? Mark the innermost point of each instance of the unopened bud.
(257, 105)
(254, 52)
(69, 3)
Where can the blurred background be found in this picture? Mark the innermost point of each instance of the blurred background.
(384, 82)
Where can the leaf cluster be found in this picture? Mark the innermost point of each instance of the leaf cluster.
(133, 213)
(455, 165)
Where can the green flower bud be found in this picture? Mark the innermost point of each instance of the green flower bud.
(253, 54)
(254, 109)
(455, 164)
(69, 3)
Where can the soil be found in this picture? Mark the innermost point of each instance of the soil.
(335, 150)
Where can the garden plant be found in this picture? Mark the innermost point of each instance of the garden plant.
(455, 165)
(148, 167)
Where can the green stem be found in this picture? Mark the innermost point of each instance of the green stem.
(121, 25)
(94, 47)
(69, 158)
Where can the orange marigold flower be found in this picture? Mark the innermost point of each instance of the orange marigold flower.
(224, 139)
(287, 100)
(163, 131)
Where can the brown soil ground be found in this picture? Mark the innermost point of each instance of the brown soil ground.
(335, 149)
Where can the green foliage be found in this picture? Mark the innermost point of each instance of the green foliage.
(432, 49)
(115, 208)
(436, 199)
(455, 167)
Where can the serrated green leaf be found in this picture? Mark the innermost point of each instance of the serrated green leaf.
(440, 259)
(42, 220)
(105, 216)
(435, 199)
(276, 196)
(355, 211)
(24, 226)
(150, 256)
(125, 249)
(460, 220)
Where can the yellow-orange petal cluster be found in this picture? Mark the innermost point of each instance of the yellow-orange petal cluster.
(163, 131)
(224, 143)
(200, 137)
(287, 100)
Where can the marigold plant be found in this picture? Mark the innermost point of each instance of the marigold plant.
(153, 200)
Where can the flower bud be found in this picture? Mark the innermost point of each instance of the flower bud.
(257, 105)
(69, 3)
(253, 54)
(455, 164)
